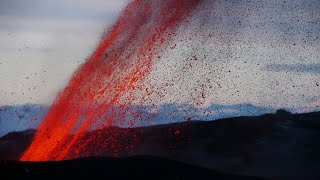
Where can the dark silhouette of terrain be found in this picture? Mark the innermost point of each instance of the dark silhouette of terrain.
(272, 146)
(139, 167)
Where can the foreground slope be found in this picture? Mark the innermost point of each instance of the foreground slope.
(280, 145)
(139, 167)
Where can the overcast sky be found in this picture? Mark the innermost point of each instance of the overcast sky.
(43, 41)
(265, 53)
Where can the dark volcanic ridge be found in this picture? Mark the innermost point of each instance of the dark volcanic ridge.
(281, 145)
(138, 167)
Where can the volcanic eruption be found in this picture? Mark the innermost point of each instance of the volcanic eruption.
(106, 80)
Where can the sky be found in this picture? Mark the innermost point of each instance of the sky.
(231, 58)
(42, 42)
(265, 53)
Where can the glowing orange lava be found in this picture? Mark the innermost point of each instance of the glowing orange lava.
(123, 58)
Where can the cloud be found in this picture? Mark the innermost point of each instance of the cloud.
(295, 68)
(62, 9)
(46, 41)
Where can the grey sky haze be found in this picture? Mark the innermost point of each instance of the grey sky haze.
(44, 41)
(267, 45)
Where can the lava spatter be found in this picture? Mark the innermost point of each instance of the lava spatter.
(123, 58)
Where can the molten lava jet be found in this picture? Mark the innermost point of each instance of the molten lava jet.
(123, 58)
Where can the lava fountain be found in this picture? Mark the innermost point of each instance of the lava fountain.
(123, 58)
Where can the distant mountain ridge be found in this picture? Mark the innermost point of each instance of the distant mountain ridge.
(21, 117)
(29, 116)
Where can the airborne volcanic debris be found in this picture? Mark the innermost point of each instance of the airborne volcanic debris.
(123, 58)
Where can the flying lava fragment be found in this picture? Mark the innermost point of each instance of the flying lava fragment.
(123, 58)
